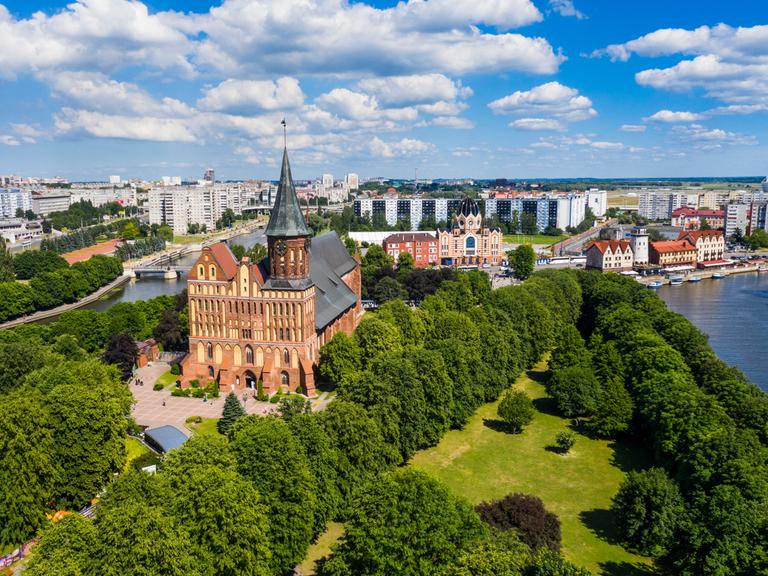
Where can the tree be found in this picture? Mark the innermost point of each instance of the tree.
(227, 219)
(65, 549)
(232, 411)
(17, 359)
(129, 232)
(614, 409)
(407, 524)
(227, 519)
(6, 263)
(648, 509)
(27, 466)
(121, 351)
(492, 558)
(374, 336)
(68, 346)
(570, 350)
(404, 264)
(525, 513)
(575, 390)
(165, 232)
(516, 409)
(138, 538)
(268, 455)
(704, 224)
(291, 406)
(30, 263)
(389, 289)
(340, 358)
(522, 261)
(169, 332)
(528, 224)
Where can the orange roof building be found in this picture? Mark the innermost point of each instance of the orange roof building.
(610, 256)
(673, 253)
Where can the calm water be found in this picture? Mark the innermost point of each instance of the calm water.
(734, 312)
(151, 286)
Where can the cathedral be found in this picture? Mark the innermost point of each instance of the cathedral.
(251, 321)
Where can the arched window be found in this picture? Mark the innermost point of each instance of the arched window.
(210, 371)
(213, 271)
(281, 333)
(284, 378)
(210, 350)
(286, 358)
(248, 355)
(470, 243)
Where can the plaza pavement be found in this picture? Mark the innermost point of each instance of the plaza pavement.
(149, 410)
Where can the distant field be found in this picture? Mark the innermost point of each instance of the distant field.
(480, 464)
(189, 239)
(536, 239)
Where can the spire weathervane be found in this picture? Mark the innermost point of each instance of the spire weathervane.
(285, 134)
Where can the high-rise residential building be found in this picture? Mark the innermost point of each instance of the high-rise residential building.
(327, 181)
(758, 218)
(209, 176)
(659, 204)
(597, 201)
(171, 180)
(737, 217)
(765, 185)
(114, 179)
(549, 210)
(353, 181)
(13, 199)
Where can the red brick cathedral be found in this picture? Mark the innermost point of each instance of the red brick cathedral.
(268, 320)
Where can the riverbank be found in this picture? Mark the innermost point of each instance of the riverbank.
(53, 312)
(702, 274)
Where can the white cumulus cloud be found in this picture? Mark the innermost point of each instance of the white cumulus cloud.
(633, 128)
(669, 116)
(545, 107)
(404, 147)
(247, 96)
(536, 124)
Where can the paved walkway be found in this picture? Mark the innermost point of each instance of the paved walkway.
(156, 408)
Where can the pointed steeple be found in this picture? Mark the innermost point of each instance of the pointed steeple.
(286, 219)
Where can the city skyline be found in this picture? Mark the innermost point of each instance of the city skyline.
(482, 88)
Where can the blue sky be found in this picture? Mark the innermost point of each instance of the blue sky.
(451, 88)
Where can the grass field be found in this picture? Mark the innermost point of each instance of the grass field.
(482, 463)
(167, 379)
(190, 238)
(135, 449)
(535, 239)
(206, 427)
(321, 548)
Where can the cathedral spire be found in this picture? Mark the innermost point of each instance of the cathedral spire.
(286, 219)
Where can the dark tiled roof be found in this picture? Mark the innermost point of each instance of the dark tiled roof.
(286, 218)
(330, 261)
(469, 207)
(165, 437)
(410, 237)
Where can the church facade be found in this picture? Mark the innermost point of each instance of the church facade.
(468, 242)
(251, 321)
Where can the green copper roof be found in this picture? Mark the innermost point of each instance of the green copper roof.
(286, 218)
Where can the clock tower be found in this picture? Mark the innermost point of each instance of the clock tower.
(288, 237)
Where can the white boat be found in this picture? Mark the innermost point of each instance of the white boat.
(719, 275)
(676, 280)
(655, 284)
(694, 279)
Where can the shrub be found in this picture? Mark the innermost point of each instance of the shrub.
(198, 392)
(175, 369)
(260, 396)
(157, 386)
(194, 419)
(565, 441)
(194, 383)
(536, 526)
(146, 459)
(181, 392)
(275, 398)
(516, 409)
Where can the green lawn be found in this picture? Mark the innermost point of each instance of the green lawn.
(206, 427)
(321, 548)
(539, 239)
(135, 449)
(167, 379)
(482, 463)
(190, 238)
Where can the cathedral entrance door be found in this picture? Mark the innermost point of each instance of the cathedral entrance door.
(250, 380)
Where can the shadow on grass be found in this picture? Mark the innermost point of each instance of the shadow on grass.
(555, 450)
(538, 376)
(601, 522)
(498, 426)
(547, 406)
(626, 569)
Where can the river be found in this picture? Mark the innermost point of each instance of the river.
(151, 286)
(734, 313)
